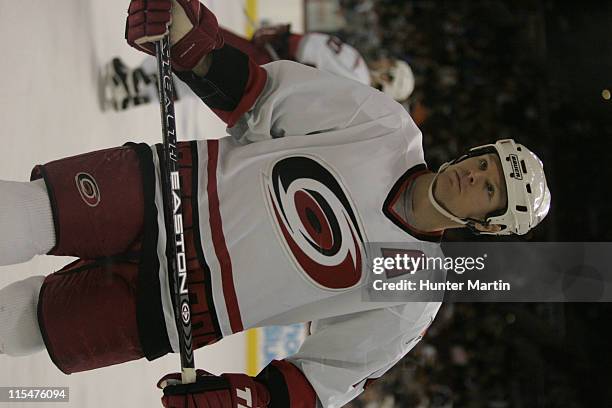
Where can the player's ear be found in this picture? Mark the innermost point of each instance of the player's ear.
(491, 228)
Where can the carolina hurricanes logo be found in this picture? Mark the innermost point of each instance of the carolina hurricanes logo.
(88, 188)
(317, 222)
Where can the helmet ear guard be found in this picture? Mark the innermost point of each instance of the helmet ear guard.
(528, 196)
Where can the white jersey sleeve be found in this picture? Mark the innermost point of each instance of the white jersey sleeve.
(299, 100)
(344, 352)
(328, 53)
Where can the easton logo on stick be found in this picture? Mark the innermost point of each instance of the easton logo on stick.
(181, 260)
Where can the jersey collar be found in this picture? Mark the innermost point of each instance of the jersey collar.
(396, 192)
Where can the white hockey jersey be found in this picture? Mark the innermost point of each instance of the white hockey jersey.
(321, 51)
(328, 53)
(287, 205)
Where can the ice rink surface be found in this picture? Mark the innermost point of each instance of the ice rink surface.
(49, 108)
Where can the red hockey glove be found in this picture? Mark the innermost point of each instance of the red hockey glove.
(209, 391)
(194, 31)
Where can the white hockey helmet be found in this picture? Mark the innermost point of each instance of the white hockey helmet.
(401, 84)
(528, 193)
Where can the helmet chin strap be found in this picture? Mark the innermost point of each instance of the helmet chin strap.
(437, 205)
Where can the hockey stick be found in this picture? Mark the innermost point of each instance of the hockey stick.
(173, 210)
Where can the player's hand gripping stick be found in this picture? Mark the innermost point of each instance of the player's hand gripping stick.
(209, 391)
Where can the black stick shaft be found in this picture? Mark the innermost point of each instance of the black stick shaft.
(173, 210)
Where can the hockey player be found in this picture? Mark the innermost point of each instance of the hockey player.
(329, 53)
(125, 87)
(276, 221)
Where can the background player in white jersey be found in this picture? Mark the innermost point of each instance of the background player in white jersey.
(277, 217)
(126, 87)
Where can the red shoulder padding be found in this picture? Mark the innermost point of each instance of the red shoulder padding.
(301, 393)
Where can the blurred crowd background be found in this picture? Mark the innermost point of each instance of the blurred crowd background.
(535, 71)
(490, 355)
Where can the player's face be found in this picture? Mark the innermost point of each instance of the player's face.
(473, 187)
